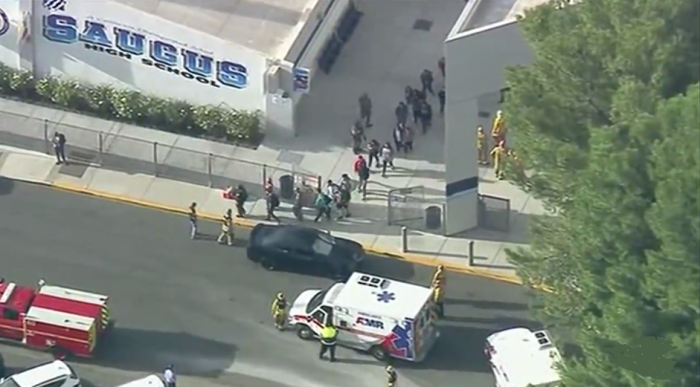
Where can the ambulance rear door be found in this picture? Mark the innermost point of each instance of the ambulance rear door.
(424, 331)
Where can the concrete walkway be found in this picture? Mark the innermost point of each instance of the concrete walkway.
(393, 43)
(175, 196)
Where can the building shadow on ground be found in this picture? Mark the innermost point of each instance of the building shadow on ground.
(513, 228)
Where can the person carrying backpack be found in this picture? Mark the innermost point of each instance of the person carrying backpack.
(322, 205)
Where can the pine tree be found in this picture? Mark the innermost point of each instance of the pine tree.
(606, 121)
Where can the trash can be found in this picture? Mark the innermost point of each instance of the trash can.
(286, 187)
(433, 217)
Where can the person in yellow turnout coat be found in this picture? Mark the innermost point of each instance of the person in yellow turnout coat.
(498, 155)
(498, 129)
(481, 147)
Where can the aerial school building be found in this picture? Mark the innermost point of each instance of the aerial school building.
(483, 42)
(249, 54)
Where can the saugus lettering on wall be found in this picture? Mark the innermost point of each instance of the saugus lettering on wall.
(128, 44)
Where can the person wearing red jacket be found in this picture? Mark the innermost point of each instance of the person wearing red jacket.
(359, 164)
(360, 168)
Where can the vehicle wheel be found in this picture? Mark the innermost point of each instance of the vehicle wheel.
(305, 333)
(379, 353)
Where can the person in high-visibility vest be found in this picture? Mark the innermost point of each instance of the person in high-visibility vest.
(391, 376)
(498, 155)
(439, 276)
(439, 299)
(328, 341)
(226, 228)
(279, 311)
(481, 146)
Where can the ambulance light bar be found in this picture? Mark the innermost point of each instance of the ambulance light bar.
(374, 282)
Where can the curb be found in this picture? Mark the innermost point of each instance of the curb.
(408, 257)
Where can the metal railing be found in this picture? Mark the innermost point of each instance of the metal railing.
(411, 208)
(147, 156)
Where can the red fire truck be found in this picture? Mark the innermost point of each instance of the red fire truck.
(62, 320)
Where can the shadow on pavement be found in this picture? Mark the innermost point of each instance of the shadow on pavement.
(507, 306)
(87, 383)
(151, 351)
(6, 186)
(501, 322)
(518, 230)
(460, 348)
(133, 166)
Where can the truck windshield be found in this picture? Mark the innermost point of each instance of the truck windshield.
(9, 382)
(313, 304)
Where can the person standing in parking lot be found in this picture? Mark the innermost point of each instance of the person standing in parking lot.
(439, 277)
(328, 341)
(226, 228)
(169, 376)
(439, 299)
(193, 220)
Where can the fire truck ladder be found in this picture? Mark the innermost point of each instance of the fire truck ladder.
(105, 317)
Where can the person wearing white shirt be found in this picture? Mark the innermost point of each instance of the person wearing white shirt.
(330, 189)
(169, 376)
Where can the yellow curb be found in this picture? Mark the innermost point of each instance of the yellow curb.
(408, 257)
(433, 261)
(142, 203)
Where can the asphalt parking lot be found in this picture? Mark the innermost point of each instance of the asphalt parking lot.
(205, 307)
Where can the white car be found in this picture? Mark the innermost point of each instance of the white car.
(53, 374)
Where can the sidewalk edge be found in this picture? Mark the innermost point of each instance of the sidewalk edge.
(408, 257)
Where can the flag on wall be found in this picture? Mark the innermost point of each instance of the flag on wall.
(55, 5)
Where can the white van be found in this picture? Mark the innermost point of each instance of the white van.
(387, 318)
(148, 381)
(522, 358)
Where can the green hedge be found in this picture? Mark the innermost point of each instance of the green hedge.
(132, 107)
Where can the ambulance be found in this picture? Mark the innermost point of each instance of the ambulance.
(380, 316)
(520, 357)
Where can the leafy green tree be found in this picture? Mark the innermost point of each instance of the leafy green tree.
(606, 121)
